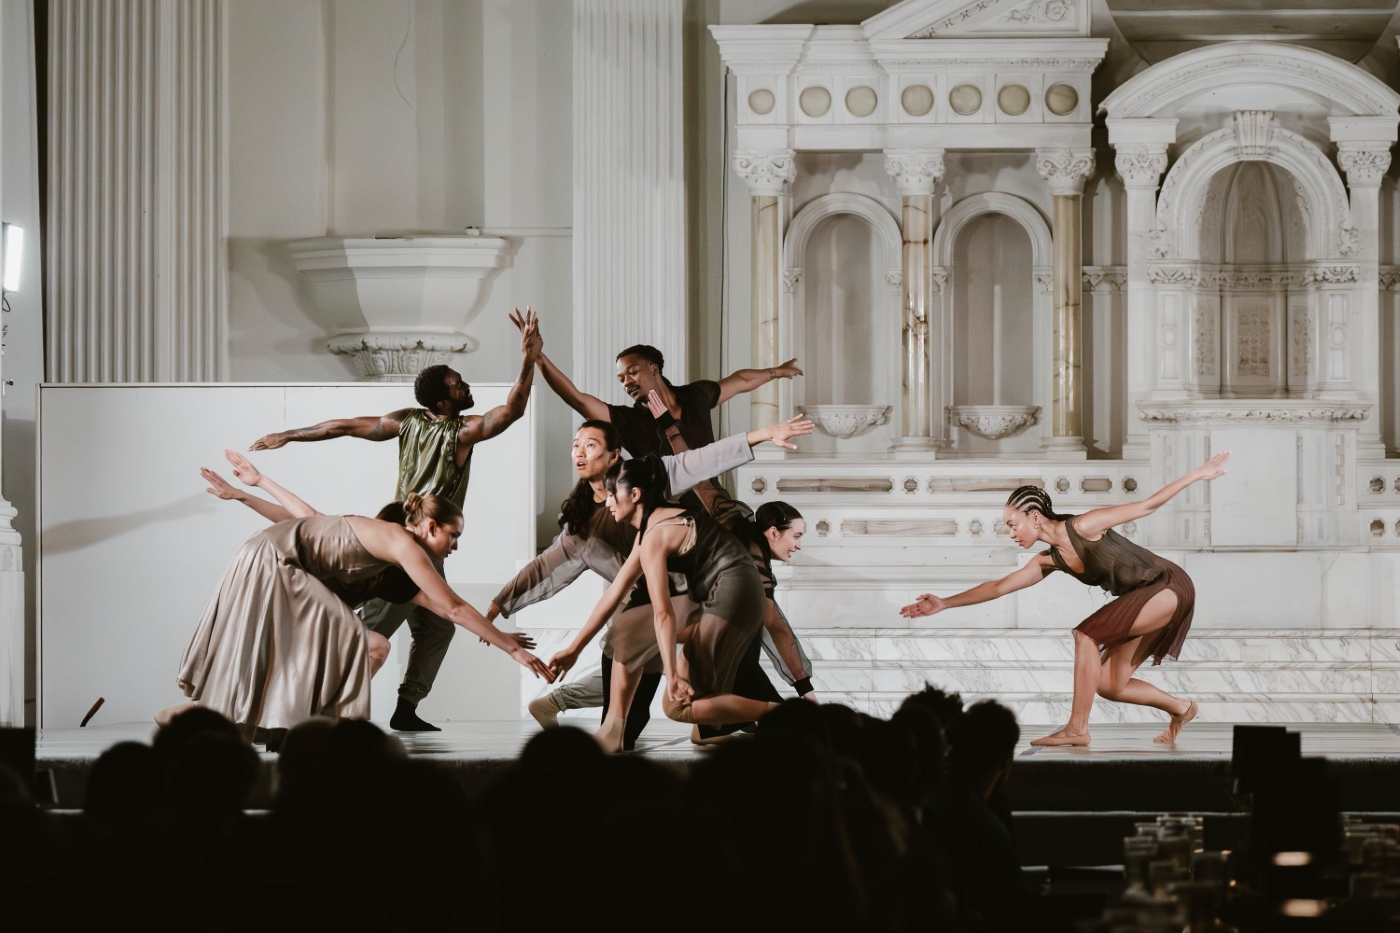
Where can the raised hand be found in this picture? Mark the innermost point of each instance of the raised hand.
(218, 486)
(243, 469)
(655, 405)
(562, 661)
(1214, 467)
(270, 441)
(796, 426)
(926, 605)
(786, 370)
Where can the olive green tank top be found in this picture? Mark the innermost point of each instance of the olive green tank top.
(428, 458)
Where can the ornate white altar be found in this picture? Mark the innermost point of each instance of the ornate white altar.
(1046, 319)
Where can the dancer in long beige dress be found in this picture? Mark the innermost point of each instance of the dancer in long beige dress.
(278, 642)
(1149, 617)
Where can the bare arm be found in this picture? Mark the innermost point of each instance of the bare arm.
(369, 428)
(218, 486)
(1095, 522)
(1029, 575)
(587, 405)
(659, 543)
(501, 417)
(746, 380)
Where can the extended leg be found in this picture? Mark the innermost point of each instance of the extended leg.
(1117, 681)
(587, 693)
(1086, 682)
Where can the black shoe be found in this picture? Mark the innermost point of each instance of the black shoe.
(405, 719)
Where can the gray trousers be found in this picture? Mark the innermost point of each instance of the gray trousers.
(581, 694)
(431, 635)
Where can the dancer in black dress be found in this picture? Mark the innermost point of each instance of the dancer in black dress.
(1149, 618)
(721, 577)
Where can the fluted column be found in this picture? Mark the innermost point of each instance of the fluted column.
(916, 171)
(1065, 170)
(629, 187)
(1365, 164)
(765, 171)
(136, 272)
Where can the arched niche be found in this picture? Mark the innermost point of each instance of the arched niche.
(840, 303)
(969, 339)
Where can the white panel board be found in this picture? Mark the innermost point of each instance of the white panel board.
(1256, 503)
(132, 548)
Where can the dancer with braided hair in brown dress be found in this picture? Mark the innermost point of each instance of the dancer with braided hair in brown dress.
(1150, 615)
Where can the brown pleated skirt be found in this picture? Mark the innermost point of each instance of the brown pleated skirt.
(1110, 625)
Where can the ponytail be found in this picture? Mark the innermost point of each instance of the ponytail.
(1034, 499)
(645, 474)
(417, 509)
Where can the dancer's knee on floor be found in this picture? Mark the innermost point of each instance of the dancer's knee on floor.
(679, 710)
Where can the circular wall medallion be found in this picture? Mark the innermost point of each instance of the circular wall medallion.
(965, 99)
(917, 100)
(861, 101)
(1013, 99)
(761, 101)
(1061, 99)
(815, 101)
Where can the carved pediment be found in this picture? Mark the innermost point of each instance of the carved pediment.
(944, 19)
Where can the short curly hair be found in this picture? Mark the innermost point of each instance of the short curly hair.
(647, 352)
(431, 386)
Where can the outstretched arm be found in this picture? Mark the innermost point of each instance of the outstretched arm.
(1029, 575)
(218, 486)
(369, 428)
(746, 380)
(622, 584)
(501, 417)
(587, 405)
(250, 475)
(1095, 522)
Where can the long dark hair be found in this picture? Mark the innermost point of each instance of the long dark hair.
(647, 474)
(1034, 499)
(777, 515)
(576, 511)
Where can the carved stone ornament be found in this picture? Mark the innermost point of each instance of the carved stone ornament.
(1332, 274)
(1390, 278)
(791, 276)
(937, 278)
(1105, 278)
(894, 277)
(845, 421)
(765, 170)
(1045, 282)
(1141, 166)
(398, 357)
(994, 422)
(1173, 275)
(1254, 413)
(1365, 166)
(916, 171)
(1065, 170)
(1254, 131)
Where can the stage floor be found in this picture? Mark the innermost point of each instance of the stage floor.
(501, 741)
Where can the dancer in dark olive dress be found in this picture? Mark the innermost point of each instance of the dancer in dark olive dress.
(1150, 616)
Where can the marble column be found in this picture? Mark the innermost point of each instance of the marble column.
(1065, 170)
(766, 171)
(629, 261)
(137, 277)
(1140, 166)
(916, 171)
(1365, 164)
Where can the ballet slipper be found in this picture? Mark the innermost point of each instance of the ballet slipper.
(1168, 736)
(164, 717)
(609, 734)
(546, 711)
(1063, 737)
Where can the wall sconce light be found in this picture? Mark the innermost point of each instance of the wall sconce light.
(14, 256)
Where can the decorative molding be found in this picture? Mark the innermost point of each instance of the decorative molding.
(1045, 282)
(1065, 170)
(957, 19)
(1364, 163)
(1331, 274)
(1055, 13)
(894, 277)
(910, 527)
(765, 171)
(629, 255)
(994, 422)
(915, 171)
(1254, 133)
(1390, 278)
(836, 484)
(845, 421)
(937, 278)
(1243, 277)
(996, 484)
(398, 357)
(137, 274)
(1140, 165)
(791, 276)
(1251, 411)
(993, 202)
(1106, 278)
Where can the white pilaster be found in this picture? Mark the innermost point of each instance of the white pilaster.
(11, 565)
(629, 187)
(137, 272)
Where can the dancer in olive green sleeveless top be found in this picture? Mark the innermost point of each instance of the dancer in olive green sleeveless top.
(1149, 617)
(435, 456)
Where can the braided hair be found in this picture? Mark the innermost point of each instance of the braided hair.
(1034, 499)
(647, 474)
(577, 510)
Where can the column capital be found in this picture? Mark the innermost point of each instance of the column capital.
(1141, 165)
(916, 171)
(1065, 170)
(1364, 162)
(765, 170)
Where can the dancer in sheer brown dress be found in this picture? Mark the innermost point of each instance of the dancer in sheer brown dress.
(278, 642)
(1149, 617)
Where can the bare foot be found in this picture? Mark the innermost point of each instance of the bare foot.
(170, 712)
(1063, 737)
(1168, 736)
